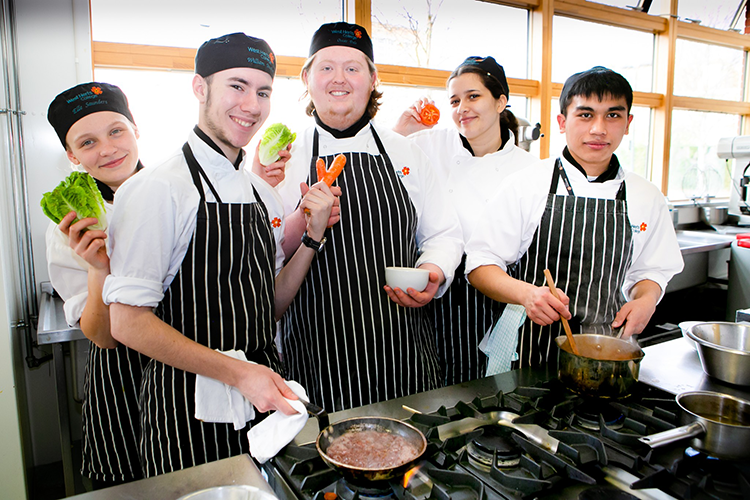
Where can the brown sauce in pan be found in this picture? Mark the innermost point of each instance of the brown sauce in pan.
(601, 352)
(368, 449)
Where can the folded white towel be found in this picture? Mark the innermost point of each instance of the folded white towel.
(278, 429)
(218, 402)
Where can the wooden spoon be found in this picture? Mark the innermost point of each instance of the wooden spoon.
(566, 326)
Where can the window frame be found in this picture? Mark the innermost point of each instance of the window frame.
(539, 88)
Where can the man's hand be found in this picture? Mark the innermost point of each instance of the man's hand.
(274, 173)
(266, 389)
(636, 313)
(319, 201)
(413, 298)
(90, 244)
(543, 308)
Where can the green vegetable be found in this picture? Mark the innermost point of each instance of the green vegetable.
(276, 138)
(78, 193)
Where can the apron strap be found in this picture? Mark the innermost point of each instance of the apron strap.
(559, 173)
(195, 171)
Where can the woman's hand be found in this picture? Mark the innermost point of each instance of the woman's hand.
(89, 244)
(274, 173)
(410, 120)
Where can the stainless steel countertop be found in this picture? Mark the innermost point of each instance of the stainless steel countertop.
(675, 367)
(240, 470)
(53, 327)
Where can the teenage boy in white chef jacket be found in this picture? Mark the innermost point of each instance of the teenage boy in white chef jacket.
(603, 232)
(196, 281)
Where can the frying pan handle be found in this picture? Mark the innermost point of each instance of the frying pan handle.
(317, 412)
(673, 435)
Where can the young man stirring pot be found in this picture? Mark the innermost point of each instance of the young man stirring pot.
(603, 232)
(195, 250)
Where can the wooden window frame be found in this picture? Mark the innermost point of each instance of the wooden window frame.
(539, 88)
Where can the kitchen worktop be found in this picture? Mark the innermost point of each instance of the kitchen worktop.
(240, 470)
(675, 367)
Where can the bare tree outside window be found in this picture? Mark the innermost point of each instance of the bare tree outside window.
(416, 35)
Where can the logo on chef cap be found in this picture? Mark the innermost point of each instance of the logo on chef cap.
(342, 34)
(236, 50)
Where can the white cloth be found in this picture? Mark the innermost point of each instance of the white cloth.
(438, 234)
(513, 215)
(470, 181)
(500, 344)
(153, 226)
(68, 272)
(218, 402)
(277, 430)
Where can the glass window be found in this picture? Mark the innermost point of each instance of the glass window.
(633, 152)
(441, 34)
(694, 168)
(623, 4)
(629, 52)
(717, 75)
(287, 25)
(715, 14)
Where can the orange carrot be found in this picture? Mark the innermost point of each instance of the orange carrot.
(329, 175)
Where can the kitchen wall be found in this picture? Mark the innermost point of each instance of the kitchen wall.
(53, 53)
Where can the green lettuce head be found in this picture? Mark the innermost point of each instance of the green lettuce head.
(78, 193)
(276, 138)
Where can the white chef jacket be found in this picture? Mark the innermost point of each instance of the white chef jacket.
(156, 215)
(512, 217)
(438, 233)
(68, 272)
(471, 182)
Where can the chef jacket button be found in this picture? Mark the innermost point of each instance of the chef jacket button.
(450, 190)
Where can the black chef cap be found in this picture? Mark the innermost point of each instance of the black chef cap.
(236, 50)
(491, 67)
(344, 34)
(82, 100)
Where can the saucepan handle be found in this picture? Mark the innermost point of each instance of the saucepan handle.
(673, 435)
(317, 412)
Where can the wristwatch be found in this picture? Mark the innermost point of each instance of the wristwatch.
(311, 243)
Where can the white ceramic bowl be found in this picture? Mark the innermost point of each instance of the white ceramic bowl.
(233, 492)
(407, 277)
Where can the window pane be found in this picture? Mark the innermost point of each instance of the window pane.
(287, 25)
(439, 35)
(718, 75)
(628, 52)
(716, 13)
(694, 168)
(633, 152)
(624, 4)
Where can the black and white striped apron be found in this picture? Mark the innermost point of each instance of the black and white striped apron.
(343, 339)
(587, 244)
(223, 298)
(462, 317)
(111, 425)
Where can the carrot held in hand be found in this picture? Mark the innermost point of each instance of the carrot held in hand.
(329, 175)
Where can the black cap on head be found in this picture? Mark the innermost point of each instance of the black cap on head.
(82, 100)
(491, 67)
(343, 34)
(598, 81)
(236, 50)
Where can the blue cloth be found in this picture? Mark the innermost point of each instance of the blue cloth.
(501, 342)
